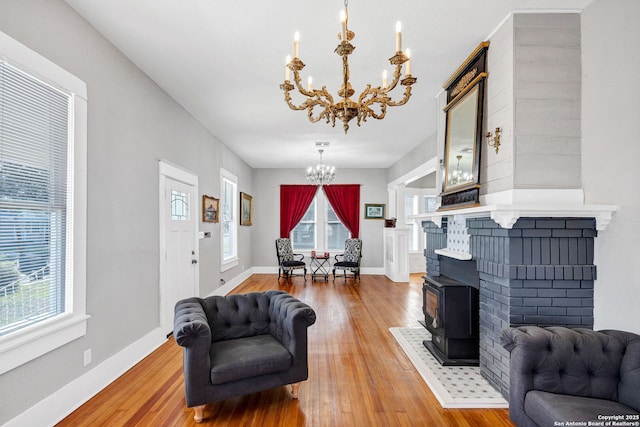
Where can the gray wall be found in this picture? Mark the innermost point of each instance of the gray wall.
(547, 100)
(496, 169)
(422, 153)
(611, 152)
(533, 95)
(266, 184)
(132, 124)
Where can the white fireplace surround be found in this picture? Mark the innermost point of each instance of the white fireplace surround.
(506, 207)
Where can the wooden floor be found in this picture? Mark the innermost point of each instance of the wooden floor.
(358, 374)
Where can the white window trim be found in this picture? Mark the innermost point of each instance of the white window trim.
(31, 342)
(233, 261)
(420, 235)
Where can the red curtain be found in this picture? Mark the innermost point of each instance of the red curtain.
(345, 200)
(294, 202)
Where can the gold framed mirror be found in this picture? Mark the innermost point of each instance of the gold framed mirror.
(463, 132)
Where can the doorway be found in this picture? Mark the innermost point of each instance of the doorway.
(179, 268)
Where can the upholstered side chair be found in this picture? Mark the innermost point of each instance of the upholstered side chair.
(288, 262)
(349, 260)
(241, 344)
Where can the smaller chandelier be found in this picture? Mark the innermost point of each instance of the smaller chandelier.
(321, 174)
(372, 102)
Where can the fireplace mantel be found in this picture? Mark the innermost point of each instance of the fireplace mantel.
(505, 207)
(507, 215)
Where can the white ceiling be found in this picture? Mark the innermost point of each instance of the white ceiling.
(224, 62)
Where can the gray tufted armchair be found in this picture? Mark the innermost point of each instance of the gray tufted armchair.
(241, 344)
(559, 374)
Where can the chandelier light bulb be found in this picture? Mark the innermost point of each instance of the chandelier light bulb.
(343, 25)
(296, 44)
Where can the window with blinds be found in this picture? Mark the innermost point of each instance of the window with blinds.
(35, 220)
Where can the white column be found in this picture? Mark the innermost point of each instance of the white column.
(391, 202)
(396, 240)
(401, 190)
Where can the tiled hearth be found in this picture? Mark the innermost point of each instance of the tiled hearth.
(540, 271)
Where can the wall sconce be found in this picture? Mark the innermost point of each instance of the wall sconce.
(495, 140)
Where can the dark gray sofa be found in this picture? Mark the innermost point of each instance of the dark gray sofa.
(559, 375)
(241, 344)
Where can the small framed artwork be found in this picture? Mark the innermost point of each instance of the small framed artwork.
(373, 211)
(246, 209)
(210, 208)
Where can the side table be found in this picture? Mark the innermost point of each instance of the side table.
(320, 266)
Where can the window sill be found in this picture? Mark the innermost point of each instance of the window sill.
(30, 343)
(229, 264)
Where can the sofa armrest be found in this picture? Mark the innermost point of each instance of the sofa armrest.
(290, 319)
(191, 331)
(190, 323)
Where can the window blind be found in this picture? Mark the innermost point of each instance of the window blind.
(34, 172)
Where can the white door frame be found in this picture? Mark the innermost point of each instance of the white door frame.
(177, 173)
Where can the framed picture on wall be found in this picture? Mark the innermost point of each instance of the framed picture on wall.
(373, 211)
(246, 209)
(210, 208)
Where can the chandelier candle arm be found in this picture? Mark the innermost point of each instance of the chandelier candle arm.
(347, 109)
(317, 97)
(287, 70)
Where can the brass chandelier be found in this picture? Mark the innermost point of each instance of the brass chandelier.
(372, 102)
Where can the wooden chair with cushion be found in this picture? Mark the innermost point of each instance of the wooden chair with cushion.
(349, 260)
(288, 262)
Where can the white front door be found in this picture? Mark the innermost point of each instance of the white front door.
(178, 246)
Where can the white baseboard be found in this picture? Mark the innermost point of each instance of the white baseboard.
(265, 270)
(231, 284)
(67, 399)
(274, 270)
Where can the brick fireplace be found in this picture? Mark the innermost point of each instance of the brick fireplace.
(539, 271)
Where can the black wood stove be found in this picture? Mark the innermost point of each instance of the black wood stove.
(450, 303)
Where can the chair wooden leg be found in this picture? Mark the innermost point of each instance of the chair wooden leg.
(295, 388)
(199, 413)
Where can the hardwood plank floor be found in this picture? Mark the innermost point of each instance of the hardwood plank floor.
(358, 375)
